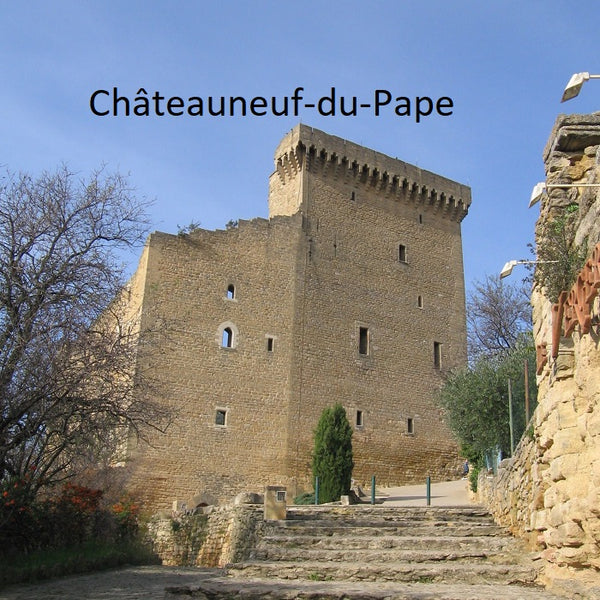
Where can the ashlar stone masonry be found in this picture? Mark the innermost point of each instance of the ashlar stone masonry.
(352, 291)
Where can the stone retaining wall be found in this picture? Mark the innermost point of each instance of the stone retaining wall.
(549, 493)
(224, 534)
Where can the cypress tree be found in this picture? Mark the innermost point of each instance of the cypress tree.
(332, 458)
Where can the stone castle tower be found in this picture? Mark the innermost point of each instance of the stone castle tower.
(351, 292)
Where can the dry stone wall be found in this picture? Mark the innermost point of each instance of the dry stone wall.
(219, 536)
(549, 492)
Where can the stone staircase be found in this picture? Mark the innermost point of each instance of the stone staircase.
(374, 552)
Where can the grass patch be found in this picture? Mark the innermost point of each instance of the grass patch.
(91, 556)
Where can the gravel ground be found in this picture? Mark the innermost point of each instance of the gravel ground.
(130, 583)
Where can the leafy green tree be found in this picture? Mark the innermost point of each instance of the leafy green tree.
(475, 400)
(332, 458)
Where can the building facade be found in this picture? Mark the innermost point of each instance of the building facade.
(351, 292)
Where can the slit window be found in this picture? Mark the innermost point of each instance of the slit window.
(437, 355)
(419, 301)
(402, 253)
(221, 417)
(270, 344)
(363, 341)
(359, 418)
(410, 426)
(230, 291)
(227, 341)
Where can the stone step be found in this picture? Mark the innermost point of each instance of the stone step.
(404, 516)
(469, 573)
(433, 528)
(321, 511)
(219, 588)
(373, 553)
(275, 553)
(493, 544)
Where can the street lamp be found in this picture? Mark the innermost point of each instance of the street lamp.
(541, 187)
(507, 269)
(574, 86)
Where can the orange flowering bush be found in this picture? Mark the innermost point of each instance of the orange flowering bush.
(80, 498)
(74, 516)
(126, 513)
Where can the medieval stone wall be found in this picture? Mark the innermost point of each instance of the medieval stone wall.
(356, 220)
(186, 293)
(550, 491)
(352, 292)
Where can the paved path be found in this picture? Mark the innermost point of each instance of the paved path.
(447, 493)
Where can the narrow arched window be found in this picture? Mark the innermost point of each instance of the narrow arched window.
(230, 291)
(227, 341)
(227, 336)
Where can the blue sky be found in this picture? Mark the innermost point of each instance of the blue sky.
(503, 63)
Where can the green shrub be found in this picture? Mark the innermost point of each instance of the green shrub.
(558, 258)
(473, 476)
(306, 498)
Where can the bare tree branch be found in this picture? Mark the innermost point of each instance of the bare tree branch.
(498, 313)
(67, 385)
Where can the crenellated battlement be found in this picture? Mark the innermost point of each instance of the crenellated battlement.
(306, 148)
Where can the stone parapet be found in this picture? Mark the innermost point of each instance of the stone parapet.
(305, 148)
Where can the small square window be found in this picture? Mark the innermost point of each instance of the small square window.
(221, 417)
(280, 496)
